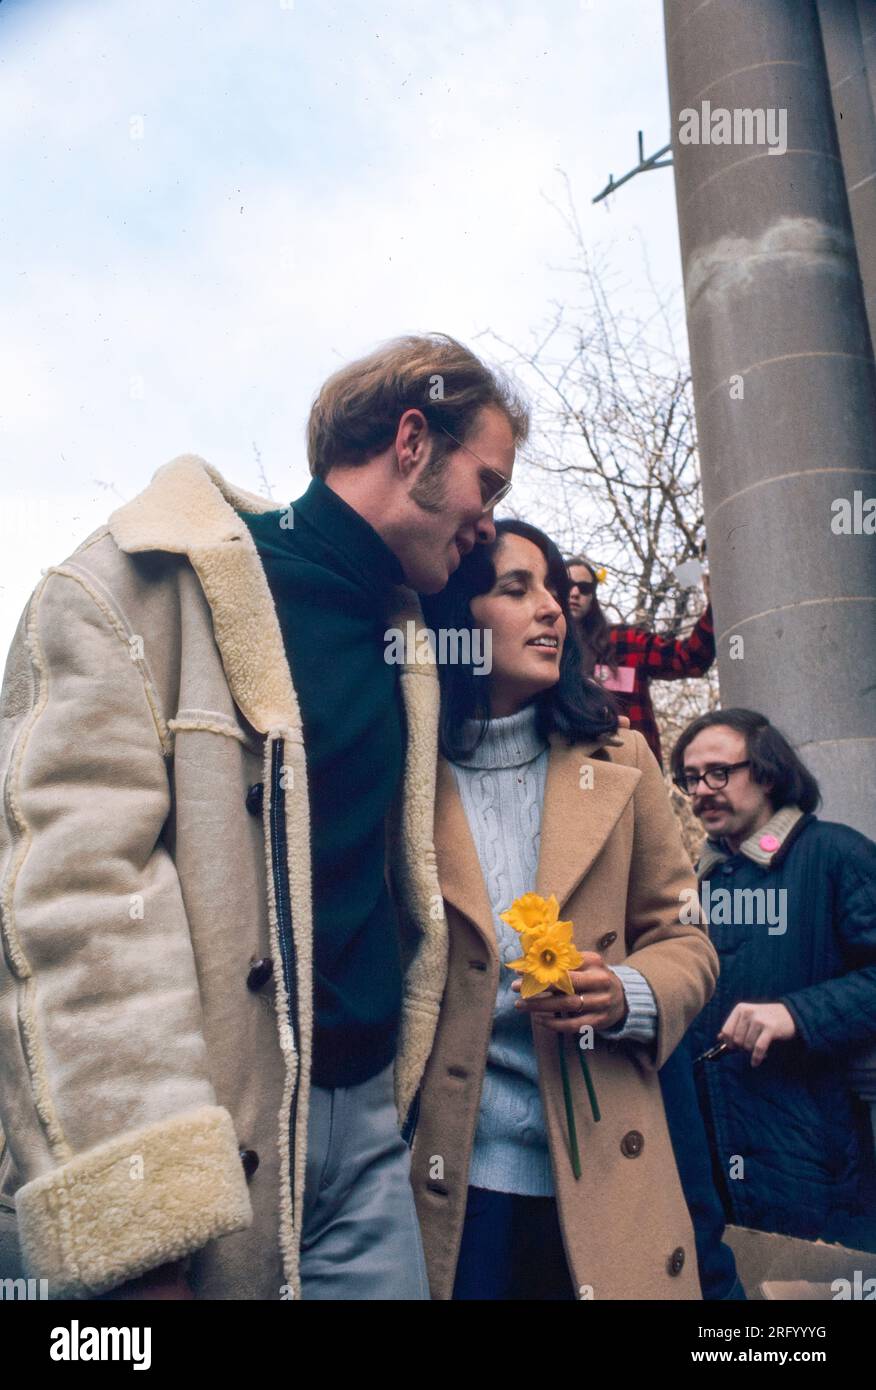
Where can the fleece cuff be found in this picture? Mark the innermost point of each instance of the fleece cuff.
(142, 1199)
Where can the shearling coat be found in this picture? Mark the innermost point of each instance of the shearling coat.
(612, 853)
(147, 693)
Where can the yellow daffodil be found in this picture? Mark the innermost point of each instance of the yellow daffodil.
(530, 913)
(550, 955)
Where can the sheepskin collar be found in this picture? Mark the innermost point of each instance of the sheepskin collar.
(761, 847)
(187, 506)
(190, 509)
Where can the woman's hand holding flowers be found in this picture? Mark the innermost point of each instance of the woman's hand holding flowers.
(598, 999)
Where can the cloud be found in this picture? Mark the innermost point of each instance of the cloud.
(309, 181)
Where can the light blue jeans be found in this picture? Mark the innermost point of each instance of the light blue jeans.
(360, 1238)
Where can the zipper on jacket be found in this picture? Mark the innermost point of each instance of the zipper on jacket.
(409, 1128)
(280, 865)
(710, 1126)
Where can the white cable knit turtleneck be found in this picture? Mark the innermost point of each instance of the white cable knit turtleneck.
(502, 790)
(501, 786)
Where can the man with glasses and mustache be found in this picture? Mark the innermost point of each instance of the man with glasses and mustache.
(791, 902)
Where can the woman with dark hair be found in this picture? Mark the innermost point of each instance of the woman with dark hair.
(542, 1165)
(626, 657)
(576, 709)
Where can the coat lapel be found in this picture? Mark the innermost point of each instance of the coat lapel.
(418, 680)
(584, 798)
(190, 509)
(459, 870)
(585, 795)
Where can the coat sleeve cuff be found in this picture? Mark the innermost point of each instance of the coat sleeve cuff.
(142, 1199)
(640, 1024)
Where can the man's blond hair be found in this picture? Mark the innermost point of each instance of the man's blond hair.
(356, 413)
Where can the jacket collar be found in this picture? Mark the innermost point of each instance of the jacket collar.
(332, 532)
(578, 816)
(777, 829)
(190, 509)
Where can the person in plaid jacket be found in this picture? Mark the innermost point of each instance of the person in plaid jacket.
(625, 658)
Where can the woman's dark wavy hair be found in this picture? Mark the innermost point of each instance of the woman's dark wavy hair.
(594, 637)
(771, 755)
(575, 707)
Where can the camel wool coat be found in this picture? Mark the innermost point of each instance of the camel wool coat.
(612, 854)
(155, 906)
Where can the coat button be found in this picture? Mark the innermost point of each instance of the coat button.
(632, 1144)
(260, 971)
(250, 1160)
(675, 1263)
(254, 798)
(605, 941)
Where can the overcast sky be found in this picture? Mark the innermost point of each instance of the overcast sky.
(208, 206)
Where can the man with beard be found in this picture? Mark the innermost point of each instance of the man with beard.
(222, 960)
(791, 902)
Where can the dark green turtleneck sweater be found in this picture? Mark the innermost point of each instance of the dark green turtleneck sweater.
(332, 580)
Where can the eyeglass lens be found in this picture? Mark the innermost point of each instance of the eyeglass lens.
(493, 491)
(715, 779)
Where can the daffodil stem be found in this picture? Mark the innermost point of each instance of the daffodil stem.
(588, 1082)
(570, 1114)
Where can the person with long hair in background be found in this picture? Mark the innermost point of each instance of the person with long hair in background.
(626, 657)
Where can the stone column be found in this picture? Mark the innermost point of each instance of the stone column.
(784, 385)
(867, 24)
(855, 125)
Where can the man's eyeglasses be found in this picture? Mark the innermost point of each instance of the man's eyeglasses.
(494, 485)
(583, 589)
(714, 777)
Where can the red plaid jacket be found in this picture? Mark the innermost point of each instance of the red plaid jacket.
(653, 657)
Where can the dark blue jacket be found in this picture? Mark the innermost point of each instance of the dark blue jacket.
(803, 1137)
(715, 1260)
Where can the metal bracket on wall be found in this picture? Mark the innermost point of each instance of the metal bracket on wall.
(653, 161)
